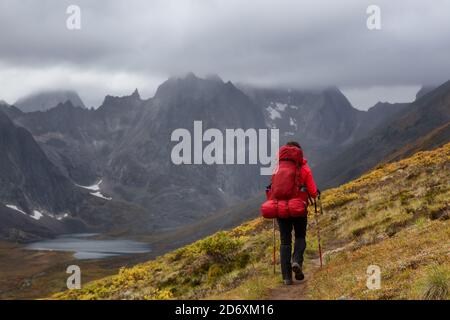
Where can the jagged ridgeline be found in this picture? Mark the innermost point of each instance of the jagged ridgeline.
(396, 217)
(126, 144)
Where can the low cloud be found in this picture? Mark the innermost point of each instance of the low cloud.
(291, 43)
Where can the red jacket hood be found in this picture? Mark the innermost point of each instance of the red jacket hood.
(291, 153)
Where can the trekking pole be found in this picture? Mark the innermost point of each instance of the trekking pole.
(274, 246)
(316, 218)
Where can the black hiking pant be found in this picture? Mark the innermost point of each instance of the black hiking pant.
(286, 256)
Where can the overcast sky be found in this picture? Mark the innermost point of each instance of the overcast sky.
(292, 43)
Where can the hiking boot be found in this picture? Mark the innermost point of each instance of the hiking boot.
(287, 282)
(298, 271)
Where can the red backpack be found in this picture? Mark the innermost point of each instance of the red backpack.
(283, 197)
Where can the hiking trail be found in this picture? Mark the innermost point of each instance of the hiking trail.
(296, 291)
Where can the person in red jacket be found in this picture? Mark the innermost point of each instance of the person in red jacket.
(294, 262)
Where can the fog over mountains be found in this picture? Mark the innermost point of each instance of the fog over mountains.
(45, 100)
(109, 169)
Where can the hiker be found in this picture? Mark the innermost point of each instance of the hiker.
(287, 201)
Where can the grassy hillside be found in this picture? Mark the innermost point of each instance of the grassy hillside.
(396, 217)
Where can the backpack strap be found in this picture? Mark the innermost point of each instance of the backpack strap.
(298, 168)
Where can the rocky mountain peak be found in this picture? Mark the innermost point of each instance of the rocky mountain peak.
(190, 76)
(121, 100)
(188, 86)
(214, 77)
(136, 94)
(65, 105)
(45, 100)
(424, 90)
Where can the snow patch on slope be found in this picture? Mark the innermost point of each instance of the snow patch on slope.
(293, 122)
(65, 215)
(276, 108)
(280, 106)
(100, 195)
(36, 215)
(13, 207)
(94, 187)
(273, 114)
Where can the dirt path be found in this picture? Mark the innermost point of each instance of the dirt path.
(297, 291)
